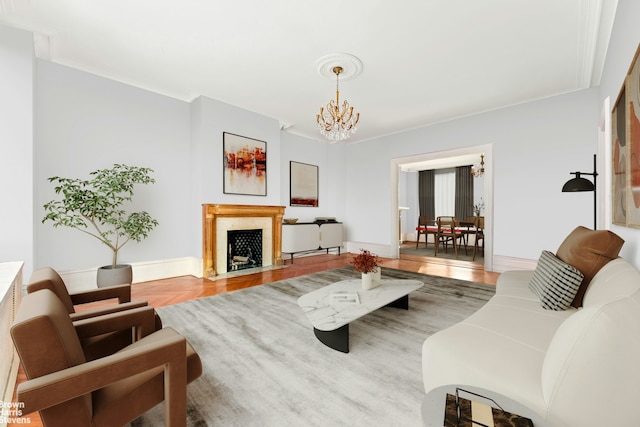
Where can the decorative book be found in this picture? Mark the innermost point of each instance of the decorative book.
(344, 297)
(460, 412)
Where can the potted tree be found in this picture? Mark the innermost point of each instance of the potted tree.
(95, 207)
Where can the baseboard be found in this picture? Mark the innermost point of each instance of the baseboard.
(505, 263)
(380, 250)
(79, 280)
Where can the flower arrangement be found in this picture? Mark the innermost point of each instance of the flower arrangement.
(478, 207)
(366, 262)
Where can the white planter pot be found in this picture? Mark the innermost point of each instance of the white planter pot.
(109, 276)
(371, 280)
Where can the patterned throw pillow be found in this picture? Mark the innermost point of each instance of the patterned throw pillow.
(555, 282)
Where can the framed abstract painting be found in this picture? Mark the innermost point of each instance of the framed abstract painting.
(625, 140)
(244, 165)
(303, 184)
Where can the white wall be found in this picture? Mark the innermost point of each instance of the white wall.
(298, 149)
(84, 123)
(16, 146)
(535, 146)
(88, 122)
(209, 120)
(215, 118)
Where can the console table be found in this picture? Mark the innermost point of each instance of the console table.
(311, 236)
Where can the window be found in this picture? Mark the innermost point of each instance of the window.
(445, 191)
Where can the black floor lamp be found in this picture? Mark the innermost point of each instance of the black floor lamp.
(582, 184)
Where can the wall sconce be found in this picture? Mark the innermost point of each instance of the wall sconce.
(582, 184)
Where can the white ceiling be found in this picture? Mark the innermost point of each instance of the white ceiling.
(424, 61)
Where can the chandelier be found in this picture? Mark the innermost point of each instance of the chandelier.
(337, 122)
(478, 170)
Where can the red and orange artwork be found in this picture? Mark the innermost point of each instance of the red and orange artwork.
(632, 95)
(245, 165)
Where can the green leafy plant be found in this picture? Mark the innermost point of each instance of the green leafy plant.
(366, 262)
(95, 206)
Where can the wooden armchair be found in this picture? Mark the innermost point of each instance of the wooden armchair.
(447, 232)
(95, 346)
(68, 390)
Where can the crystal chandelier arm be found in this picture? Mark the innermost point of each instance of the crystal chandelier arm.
(337, 122)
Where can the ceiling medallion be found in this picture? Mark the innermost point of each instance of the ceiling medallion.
(338, 122)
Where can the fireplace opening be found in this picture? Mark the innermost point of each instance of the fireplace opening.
(244, 249)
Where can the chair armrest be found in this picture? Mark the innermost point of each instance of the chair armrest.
(85, 314)
(57, 387)
(122, 292)
(141, 320)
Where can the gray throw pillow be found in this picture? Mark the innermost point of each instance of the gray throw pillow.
(555, 282)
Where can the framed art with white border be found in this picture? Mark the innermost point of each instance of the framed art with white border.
(245, 165)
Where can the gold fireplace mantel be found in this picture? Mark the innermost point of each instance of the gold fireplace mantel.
(211, 212)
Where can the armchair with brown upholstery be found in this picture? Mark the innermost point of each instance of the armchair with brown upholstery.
(68, 390)
(95, 346)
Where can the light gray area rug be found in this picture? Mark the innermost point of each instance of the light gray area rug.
(263, 366)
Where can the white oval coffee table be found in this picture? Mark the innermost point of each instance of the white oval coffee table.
(330, 319)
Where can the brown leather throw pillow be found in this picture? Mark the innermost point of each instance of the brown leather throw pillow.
(588, 251)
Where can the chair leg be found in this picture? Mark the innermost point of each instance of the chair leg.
(475, 248)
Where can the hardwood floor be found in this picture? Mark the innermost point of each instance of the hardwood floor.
(184, 288)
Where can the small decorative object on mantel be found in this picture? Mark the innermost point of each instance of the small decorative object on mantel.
(290, 220)
(369, 265)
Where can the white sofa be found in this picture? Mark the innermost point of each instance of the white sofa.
(578, 367)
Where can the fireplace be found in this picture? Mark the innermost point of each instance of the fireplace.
(244, 249)
(217, 220)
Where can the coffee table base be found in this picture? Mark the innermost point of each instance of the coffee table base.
(338, 339)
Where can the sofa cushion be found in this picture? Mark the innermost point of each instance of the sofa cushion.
(515, 283)
(588, 250)
(555, 282)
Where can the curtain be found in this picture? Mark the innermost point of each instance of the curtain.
(464, 192)
(426, 192)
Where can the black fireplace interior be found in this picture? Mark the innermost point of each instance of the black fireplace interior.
(244, 249)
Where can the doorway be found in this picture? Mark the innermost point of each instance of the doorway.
(406, 216)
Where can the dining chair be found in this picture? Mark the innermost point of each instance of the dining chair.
(423, 228)
(467, 228)
(447, 232)
(479, 235)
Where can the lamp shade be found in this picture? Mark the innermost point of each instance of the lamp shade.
(578, 184)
